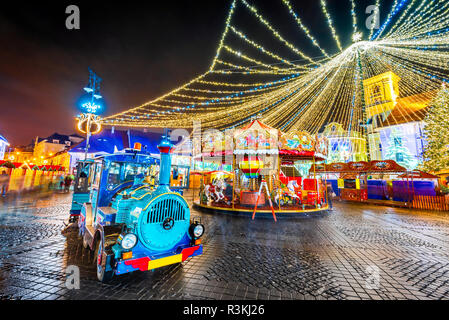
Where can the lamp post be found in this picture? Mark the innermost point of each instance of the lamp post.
(90, 109)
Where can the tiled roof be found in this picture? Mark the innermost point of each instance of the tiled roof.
(410, 109)
(55, 136)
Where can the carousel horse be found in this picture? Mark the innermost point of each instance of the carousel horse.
(214, 191)
(293, 186)
(282, 194)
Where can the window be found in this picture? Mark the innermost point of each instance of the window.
(120, 172)
(55, 141)
(376, 95)
(131, 170)
(114, 174)
(98, 167)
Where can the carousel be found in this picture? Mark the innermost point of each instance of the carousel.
(258, 170)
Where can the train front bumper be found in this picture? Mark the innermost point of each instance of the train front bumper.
(146, 263)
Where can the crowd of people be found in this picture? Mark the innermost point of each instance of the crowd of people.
(60, 183)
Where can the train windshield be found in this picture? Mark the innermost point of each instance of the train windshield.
(120, 172)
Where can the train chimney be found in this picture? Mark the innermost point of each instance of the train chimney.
(165, 148)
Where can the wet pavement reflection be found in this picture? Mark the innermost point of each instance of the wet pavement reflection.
(354, 252)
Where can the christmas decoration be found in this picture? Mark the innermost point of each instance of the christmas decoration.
(398, 151)
(436, 151)
(292, 81)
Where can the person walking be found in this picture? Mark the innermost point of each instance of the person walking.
(61, 182)
(4, 182)
(67, 182)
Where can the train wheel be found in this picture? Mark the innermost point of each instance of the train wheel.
(102, 274)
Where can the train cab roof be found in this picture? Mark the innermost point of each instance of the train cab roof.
(130, 155)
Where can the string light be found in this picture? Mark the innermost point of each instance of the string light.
(356, 36)
(330, 24)
(403, 15)
(262, 49)
(275, 33)
(304, 28)
(220, 46)
(307, 93)
(394, 10)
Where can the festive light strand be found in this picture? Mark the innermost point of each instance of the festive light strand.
(330, 24)
(248, 78)
(304, 28)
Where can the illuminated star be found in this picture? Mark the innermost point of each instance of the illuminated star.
(357, 37)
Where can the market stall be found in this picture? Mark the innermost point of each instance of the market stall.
(377, 180)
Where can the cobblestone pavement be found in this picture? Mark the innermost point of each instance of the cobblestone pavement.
(332, 256)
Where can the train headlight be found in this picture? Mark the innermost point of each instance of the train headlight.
(129, 241)
(196, 230)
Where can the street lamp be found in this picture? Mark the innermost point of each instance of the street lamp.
(89, 120)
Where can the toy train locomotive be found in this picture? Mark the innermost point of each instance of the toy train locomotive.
(129, 224)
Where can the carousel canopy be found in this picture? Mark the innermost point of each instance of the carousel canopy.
(256, 138)
(298, 145)
(260, 139)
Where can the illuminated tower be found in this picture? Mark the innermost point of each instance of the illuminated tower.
(381, 93)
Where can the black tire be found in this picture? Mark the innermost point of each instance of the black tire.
(74, 220)
(102, 275)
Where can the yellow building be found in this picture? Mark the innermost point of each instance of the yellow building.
(20, 156)
(53, 149)
(60, 159)
(381, 94)
(395, 124)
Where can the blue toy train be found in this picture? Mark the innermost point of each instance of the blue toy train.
(129, 223)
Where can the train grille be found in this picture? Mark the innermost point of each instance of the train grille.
(166, 208)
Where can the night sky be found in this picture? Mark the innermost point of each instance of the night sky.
(140, 49)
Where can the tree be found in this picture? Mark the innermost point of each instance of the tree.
(436, 133)
(397, 150)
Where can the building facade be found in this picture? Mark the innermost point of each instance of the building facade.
(395, 124)
(47, 147)
(3, 145)
(344, 146)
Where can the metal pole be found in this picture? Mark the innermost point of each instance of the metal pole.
(279, 181)
(234, 179)
(87, 135)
